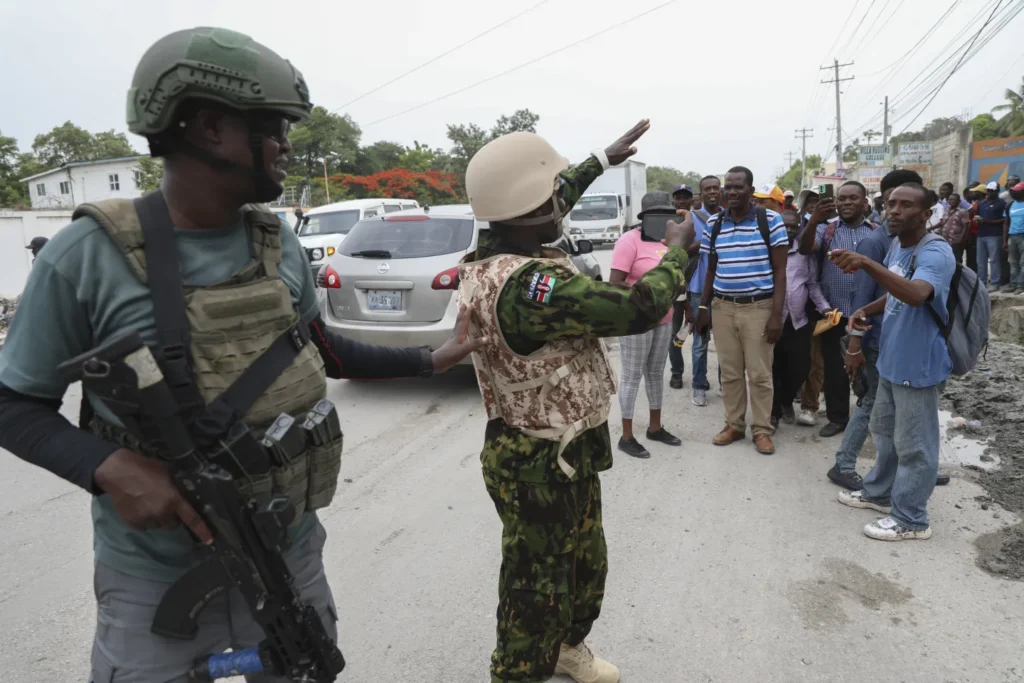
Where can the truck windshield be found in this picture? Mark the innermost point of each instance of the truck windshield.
(595, 208)
(335, 223)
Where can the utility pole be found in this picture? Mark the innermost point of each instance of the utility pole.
(885, 126)
(839, 125)
(803, 134)
(789, 159)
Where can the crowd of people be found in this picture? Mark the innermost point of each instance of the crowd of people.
(826, 292)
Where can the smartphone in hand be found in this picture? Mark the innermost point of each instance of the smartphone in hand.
(653, 226)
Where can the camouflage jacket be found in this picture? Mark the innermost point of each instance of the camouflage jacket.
(574, 306)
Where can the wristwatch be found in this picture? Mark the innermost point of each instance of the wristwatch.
(426, 362)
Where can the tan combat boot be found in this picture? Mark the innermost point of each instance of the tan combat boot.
(580, 663)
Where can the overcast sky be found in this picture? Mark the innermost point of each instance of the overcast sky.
(723, 83)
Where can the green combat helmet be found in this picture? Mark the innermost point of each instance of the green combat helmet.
(217, 67)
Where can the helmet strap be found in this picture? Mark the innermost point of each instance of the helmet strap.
(555, 216)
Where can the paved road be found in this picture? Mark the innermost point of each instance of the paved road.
(726, 566)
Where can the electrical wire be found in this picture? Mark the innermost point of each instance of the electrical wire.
(842, 50)
(520, 66)
(996, 83)
(443, 54)
(817, 92)
(954, 70)
(860, 44)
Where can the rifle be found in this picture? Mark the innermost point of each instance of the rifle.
(250, 534)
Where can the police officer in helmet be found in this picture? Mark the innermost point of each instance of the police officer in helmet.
(546, 384)
(217, 106)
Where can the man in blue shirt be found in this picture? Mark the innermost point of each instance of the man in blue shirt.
(1013, 238)
(862, 354)
(845, 231)
(747, 278)
(991, 214)
(711, 197)
(913, 365)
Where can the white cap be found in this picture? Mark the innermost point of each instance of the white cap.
(878, 195)
(992, 186)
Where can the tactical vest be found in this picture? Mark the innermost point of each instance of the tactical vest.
(231, 324)
(557, 392)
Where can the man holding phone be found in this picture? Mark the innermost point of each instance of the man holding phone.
(913, 366)
(836, 223)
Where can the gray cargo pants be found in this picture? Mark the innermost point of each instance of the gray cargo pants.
(126, 651)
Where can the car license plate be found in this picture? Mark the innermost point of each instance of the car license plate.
(384, 300)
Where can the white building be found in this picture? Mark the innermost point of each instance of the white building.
(85, 181)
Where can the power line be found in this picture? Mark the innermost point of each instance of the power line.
(999, 80)
(857, 28)
(520, 66)
(817, 90)
(443, 54)
(959, 62)
(860, 45)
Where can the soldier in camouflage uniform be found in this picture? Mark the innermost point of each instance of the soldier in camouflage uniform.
(547, 436)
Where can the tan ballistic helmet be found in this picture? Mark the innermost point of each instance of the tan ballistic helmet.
(512, 176)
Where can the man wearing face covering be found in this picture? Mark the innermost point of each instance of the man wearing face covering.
(546, 384)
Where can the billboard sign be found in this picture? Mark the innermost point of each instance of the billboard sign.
(871, 178)
(874, 155)
(914, 154)
(997, 159)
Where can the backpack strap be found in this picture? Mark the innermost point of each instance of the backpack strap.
(716, 229)
(265, 231)
(120, 221)
(944, 327)
(764, 228)
(704, 215)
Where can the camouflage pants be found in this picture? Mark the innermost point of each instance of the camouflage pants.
(554, 563)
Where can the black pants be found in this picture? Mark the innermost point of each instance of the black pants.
(675, 354)
(958, 254)
(790, 365)
(837, 382)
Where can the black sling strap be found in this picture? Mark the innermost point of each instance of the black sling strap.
(173, 333)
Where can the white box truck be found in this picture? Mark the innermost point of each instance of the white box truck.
(610, 205)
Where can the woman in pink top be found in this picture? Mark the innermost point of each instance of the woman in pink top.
(643, 355)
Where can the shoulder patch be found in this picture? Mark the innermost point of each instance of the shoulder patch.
(540, 288)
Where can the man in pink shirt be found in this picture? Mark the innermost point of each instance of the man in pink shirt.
(643, 355)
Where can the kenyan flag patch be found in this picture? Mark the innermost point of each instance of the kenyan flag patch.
(540, 288)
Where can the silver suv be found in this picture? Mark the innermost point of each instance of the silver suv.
(392, 280)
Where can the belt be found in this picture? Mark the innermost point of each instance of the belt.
(744, 299)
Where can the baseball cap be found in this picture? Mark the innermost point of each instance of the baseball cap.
(878, 195)
(1019, 187)
(788, 193)
(979, 188)
(770, 192)
(992, 186)
(683, 188)
(37, 243)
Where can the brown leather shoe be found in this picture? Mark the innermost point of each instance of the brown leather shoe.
(763, 444)
(727, 436)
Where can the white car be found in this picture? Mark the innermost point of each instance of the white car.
(322, 229)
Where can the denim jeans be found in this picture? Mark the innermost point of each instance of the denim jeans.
(905, 427)
(857, 428)
(1017, 260)
(675, 354)
(699, 353)
(988, 254)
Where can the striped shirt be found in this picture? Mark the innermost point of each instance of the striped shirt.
(744, 264)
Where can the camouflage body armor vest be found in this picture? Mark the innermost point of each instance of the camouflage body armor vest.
(233, 323)
(557, 392)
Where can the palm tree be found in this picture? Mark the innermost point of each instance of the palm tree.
(869, 134)
(1013, 122)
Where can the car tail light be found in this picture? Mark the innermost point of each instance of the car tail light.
(446, 279)
(328, 278)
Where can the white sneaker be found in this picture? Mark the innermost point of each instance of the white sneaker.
(888, 529)
(855, 499)
(581, 664)
(805, 418)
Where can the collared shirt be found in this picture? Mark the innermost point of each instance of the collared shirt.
(837, 285)
(744, 262)
(964, 204)
(865, 290)
(938, 217)
(990, 210)
(696, 284)
(1015, 211)
(802, 284)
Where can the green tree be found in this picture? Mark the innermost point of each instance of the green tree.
(12, 192)
(871, 134)
(467, 139)
(324, 137)
(521, 120)
(380, 156)
(421, 158)
(1012, 123)
(985, 127)
(63, 144)
(790, 180)
(666, 179)
(109, 145)
(851, 151)
(151, 172)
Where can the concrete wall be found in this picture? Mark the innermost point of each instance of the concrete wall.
(950, 159)
(88, 184)
(17, 228)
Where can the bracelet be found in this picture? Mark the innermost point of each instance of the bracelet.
(849, 353)
(856, 333)
(702, 308)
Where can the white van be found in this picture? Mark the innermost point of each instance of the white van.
(322, 229)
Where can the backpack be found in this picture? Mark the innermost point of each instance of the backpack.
(762, 227)
(694, 263)
(968, 309)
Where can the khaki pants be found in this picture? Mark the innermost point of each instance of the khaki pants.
(809, 399)
(742, 350)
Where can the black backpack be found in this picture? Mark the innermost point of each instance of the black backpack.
(762, 227)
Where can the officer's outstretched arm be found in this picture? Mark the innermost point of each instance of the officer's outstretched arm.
(542, 302)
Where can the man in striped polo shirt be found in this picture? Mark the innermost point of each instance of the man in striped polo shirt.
(745, 287)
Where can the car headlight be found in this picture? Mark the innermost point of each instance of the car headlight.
(575, 231)
(317, 254)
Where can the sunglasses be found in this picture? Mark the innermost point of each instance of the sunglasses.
(273, 126)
